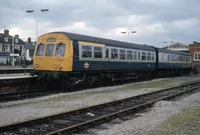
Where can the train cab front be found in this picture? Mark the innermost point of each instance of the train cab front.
(52, 56)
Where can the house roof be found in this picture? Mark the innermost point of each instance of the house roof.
(176, 45)
(9, 41)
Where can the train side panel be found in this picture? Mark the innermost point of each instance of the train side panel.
(106, 63)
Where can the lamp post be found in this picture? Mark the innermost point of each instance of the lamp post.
(32, 11)
(165, 42)
(128, 32)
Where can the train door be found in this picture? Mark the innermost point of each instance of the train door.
(107, 57)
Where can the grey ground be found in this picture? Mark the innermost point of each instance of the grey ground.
(28, 109)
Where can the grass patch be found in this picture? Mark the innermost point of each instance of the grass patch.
(187, 122)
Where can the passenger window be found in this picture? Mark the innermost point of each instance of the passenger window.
(40, 50)
(163, 56)
(98, 52)
(107, 53)
(122, 55)
(86, 51)
(148, 56)
(152, 56)
(114, 53)
(49, 50)
(60, 50)
(143, 55)
(129, 55)
(135, 55)
(138, 55)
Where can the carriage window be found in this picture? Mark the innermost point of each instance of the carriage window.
(40, 50)
(129, 55)
(148, 56)
(60, 50)
(163, 56)
(98, 52)
(86, 51)
(114, 53)
(122, 55)
(152, 56)
(143, 55)
(49, 50)
(180, 58)
(135, 55)
(138, 55)
(107, 53)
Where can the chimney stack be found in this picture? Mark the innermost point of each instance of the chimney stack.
(6, 33)
(17, 36)
(29, 40)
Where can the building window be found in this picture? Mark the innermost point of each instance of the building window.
(98, 53)
(16, 40)
(6, 39)
(122, 55)
(195, 56)
(0, 47)
(86, 51)
(7, 48)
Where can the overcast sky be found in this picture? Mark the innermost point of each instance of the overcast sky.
(154, 20)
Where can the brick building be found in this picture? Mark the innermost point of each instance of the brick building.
(29, 49)
(194, 49)
(21, 49)
(7, 43)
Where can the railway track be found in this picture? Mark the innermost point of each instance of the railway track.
(79, 120)
(24, 94)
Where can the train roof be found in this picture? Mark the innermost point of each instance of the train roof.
(171, 51)
(108, 42)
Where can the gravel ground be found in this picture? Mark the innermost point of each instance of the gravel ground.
(149, 120)
(18, 111)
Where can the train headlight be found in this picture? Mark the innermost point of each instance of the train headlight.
(36, 65)
(55, 66)
(60, 66)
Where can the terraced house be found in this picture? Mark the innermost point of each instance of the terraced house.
(10, 46)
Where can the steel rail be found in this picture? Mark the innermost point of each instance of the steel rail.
(75, 121)
(23, 94)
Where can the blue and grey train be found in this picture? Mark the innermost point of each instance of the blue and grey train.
(76, 59)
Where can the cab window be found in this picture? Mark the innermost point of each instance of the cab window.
(49, 50)
(60, 50)
(40, 50)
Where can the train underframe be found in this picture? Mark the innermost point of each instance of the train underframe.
(70, 80)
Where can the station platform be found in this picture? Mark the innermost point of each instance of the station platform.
(15, 67)
(15, 76)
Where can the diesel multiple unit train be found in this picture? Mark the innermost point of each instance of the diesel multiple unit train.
(73, 59)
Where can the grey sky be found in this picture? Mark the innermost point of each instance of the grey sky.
(154, 20)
